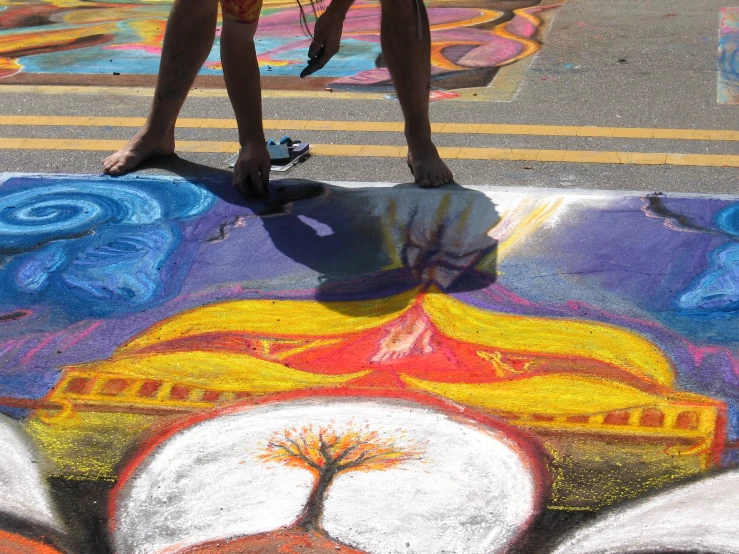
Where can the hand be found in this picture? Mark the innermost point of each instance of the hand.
(251, 171)
(326, 37)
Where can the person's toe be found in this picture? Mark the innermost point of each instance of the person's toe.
(112, 164)
(438, 180)
(423, 179)
(118, 169)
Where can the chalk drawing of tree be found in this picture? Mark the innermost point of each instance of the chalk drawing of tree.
(327, 452)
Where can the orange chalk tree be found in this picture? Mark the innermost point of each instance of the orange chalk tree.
(327, 452)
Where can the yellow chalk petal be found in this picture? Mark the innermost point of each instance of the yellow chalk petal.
(277, 318)
(217, 370)
(558, 336)
(558, 395)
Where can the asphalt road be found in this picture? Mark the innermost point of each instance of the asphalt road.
(618, 64)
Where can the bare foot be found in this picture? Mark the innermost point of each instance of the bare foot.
(428, 168)
(146, 144)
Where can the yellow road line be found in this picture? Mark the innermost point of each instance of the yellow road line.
(368, 150)
(388, 126)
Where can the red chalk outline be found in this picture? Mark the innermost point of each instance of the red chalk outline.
(528, 448)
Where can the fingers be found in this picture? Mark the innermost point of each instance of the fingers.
(316, 45)
(329, 51)
(239, 181)
(258, 188)
(320, 33)
(264, 173)
(326, 39)
(251, 179)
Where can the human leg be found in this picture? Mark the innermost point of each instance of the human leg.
(188, 40)
(408, 59)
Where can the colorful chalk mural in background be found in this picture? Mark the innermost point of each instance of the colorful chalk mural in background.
(728, 56)
(470, 39)
(173, 357)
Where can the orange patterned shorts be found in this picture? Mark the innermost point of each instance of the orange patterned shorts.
(243, 11)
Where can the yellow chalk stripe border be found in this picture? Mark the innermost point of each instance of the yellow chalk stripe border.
(389, 127)
(148, 92)
(369, 150)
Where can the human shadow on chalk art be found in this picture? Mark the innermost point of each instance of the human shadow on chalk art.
(373, 242)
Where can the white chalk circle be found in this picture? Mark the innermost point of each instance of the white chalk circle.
(23, 490)
(425, 479)
(700, 516)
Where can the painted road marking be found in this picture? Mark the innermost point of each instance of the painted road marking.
(369, 150)
(388, 126)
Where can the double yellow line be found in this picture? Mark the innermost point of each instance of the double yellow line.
(365, 150)
(369, 150)
(388, 126)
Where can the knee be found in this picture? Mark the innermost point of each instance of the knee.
(245, 13)
(239, 30)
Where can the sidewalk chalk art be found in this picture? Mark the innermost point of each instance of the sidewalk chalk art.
(470, 40)
(225, 374)
(728, 57)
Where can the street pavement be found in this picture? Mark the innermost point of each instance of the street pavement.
(632, 69)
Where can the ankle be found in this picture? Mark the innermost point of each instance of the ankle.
(157, 130)
(419, 141)
(418, 131)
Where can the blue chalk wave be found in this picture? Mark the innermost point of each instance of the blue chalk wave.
(93, 246)
(717, 288)
(36, 216)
